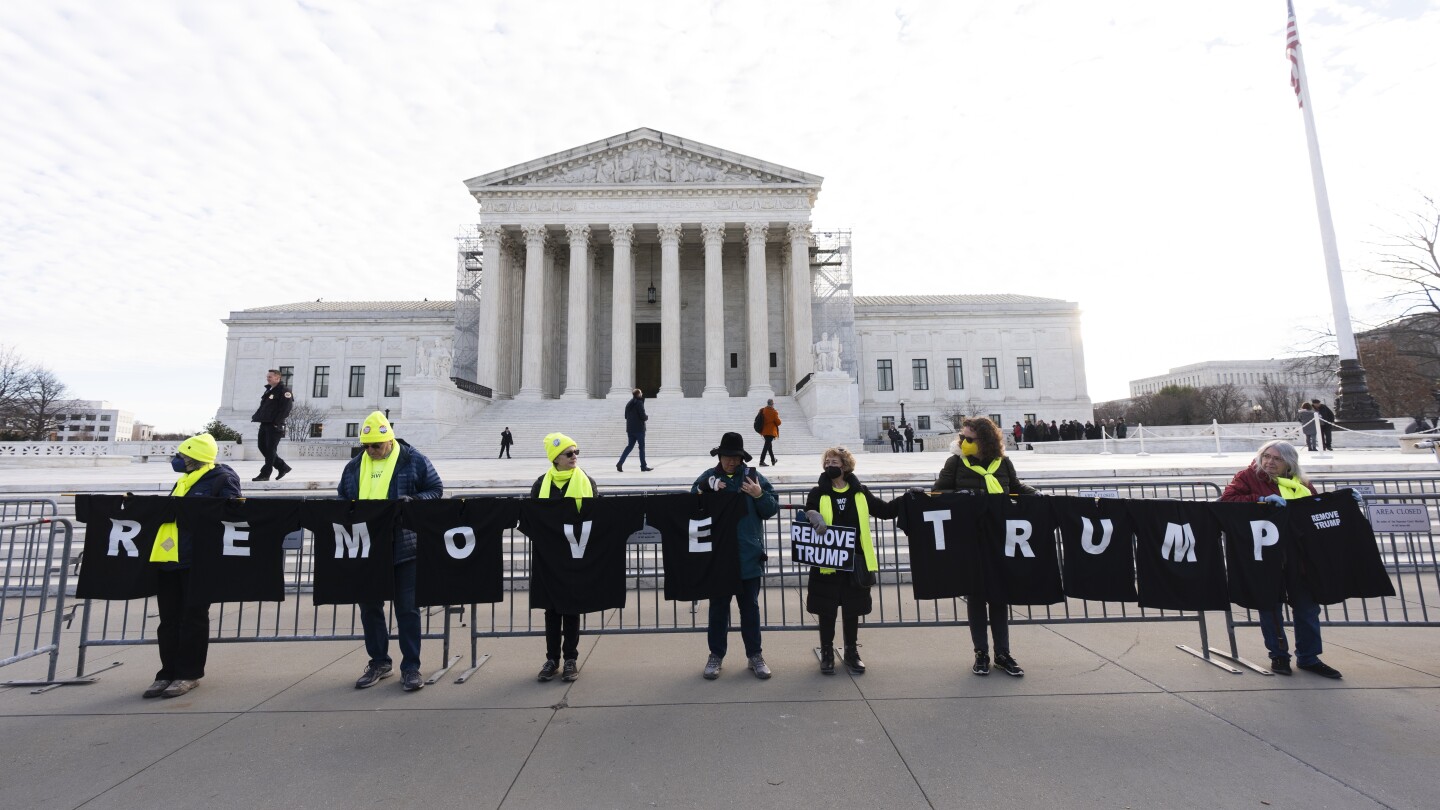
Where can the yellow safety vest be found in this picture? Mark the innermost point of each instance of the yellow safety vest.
(863, 510)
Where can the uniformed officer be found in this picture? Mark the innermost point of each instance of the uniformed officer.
(274, 409)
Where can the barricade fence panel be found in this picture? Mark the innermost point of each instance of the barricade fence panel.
(34, 587)
(15, 509)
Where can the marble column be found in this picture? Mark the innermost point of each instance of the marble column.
(622, 319)
(514, 337)
(757, 311)
(492, 291)
(714, 233)
(577, 326)
(802, 358)
(532, 379)
(670, 310)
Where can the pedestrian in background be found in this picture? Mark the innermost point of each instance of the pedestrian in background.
(275, 404)
(770, 429)
(635, 419)
(505, 441)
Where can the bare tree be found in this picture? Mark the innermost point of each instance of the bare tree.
(957, 412)
(43, 405)
(1224, 403)
(302, 416)
(1278, 401)
(1409, 261)
(1395, 379)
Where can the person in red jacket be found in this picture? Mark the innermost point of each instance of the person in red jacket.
(1275, 477)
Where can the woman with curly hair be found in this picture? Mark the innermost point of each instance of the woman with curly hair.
(978, 464)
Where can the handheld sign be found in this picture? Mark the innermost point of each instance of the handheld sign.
(833, 549)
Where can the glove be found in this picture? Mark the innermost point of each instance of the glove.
(816, 522)
(1360, 499)
(1274, 499)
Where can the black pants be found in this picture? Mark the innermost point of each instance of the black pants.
(999, 621)
(1325, 431)
(555, 625)
(504, 451)
(184, 630)
(768, 448)
(851, 626)
(269, 443)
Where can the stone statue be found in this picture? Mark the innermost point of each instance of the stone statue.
(443, 358)
(424, 362)
(827, 353)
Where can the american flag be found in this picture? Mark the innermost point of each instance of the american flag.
(1292, 52)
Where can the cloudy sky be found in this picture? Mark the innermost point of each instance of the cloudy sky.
(165, 163)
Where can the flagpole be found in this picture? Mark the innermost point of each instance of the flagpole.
(1354, 407)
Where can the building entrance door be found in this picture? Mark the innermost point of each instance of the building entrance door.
(647, 358)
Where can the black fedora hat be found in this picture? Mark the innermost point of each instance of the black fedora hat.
(731, 444)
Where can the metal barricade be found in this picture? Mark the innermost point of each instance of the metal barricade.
(15, 509)
(116, 623)
(782, 596)
(33, 592)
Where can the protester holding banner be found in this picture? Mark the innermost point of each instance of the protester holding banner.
(731, 475)
(978, 464)
(1274, 476)
(390, 469)
(564, 479)
(839, 500)
(184, 629)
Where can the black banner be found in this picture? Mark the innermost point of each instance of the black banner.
(458, 554)
(1098, 541)
(119, 531)
(1257, 544)
(836, 548)
(698, 542)
(1021, 565)
(1336, 550)
(577, 557)
(354, 550)
(943, 532)
(238, 547)
(1178, 561)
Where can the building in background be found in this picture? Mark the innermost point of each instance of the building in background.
(89, 420)
(1252, 377)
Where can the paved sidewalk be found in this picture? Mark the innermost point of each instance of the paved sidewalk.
(1107, 716)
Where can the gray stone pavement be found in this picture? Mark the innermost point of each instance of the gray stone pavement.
(1107, 716)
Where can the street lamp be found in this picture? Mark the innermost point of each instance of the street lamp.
(902, 413)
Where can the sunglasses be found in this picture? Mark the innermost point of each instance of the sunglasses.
(570, 453)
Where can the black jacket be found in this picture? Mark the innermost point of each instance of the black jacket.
(275, 405)
(956, 476)
(635, 417)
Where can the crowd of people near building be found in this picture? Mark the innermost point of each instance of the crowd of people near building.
(1038, 430)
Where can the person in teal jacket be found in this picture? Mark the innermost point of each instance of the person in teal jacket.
(731, 474)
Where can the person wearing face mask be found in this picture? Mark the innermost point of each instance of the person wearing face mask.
(978, 464)
(564, 479)
(839, 499)
(184, 630)
(1274, 477)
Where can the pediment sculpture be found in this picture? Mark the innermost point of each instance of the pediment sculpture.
(645, 164)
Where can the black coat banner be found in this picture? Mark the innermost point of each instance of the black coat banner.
(458, 554)
(1178, 560)
(354, 550)
(943, 533)
(698, 542)
(119, 531)
(1257, 544)
(238, 547)
(1336, 550)
(577, 557)
(1018, 549)
(1098, 540)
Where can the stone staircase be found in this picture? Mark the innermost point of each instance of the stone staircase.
(677, 427)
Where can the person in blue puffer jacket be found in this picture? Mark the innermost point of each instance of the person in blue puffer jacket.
(731, 475)
(390, 469)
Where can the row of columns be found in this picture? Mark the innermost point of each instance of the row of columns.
(496, 291)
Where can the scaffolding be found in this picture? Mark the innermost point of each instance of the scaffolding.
(832, 295)
(469, 266)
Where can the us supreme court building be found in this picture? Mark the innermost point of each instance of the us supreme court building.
(691, 272)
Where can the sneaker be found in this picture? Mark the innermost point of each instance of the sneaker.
(156, 689)
(1322, 669)
(179, 687)
(827, 660)
(758, 666)
(982, 663)
(1006, 663)
(372, 676)
(571, 671)
(1280, 666)
(411, 681)
(852, 660)
(548, 671)
(712, 667)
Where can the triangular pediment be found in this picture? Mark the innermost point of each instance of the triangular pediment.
(643, 157)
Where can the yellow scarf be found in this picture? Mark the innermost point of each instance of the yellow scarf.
(576, 483)
(167, 540)
(1291, 488)
(375, 475)
(862, 510)
(992, 484)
